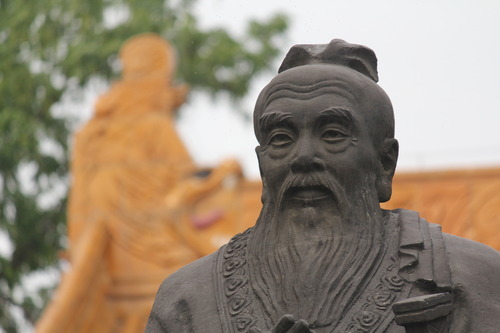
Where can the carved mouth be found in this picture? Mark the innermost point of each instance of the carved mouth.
(309, 193)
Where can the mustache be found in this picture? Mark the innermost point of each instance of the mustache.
(313, 180)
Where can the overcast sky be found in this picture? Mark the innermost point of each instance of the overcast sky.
(439, 61)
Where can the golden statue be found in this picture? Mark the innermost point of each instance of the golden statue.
(133, 179)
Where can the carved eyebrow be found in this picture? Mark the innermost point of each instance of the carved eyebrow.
(336, 115)
(273, 119)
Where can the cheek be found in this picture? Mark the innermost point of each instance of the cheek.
(352, 163)
(278, 154)
(274, 170)
(339, 147)
(368, 158)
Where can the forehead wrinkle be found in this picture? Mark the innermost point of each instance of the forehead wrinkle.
(288, 90)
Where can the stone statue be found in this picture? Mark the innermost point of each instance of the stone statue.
(323, 256)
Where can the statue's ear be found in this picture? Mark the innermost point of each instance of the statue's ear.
(388, 161)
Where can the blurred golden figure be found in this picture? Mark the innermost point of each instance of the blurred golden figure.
(124, 238)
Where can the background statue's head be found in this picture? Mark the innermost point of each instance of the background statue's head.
(145, 55)
(325, 128)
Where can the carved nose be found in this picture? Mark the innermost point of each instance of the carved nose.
(307, 163)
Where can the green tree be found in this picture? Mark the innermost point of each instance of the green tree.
(53, 48)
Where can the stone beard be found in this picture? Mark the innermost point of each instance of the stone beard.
(344, 245)
(321, 227)
(302, 255)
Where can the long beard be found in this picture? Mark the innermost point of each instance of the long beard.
(316, 267)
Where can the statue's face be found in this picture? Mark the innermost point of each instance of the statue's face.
(316, 148)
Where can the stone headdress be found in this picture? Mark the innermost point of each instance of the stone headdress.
(338, 52)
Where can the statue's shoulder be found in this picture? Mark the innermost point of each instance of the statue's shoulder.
(190, 277)
(470, 269)
(475, 271)
(185, 301)
(461, 252)
(473, 262)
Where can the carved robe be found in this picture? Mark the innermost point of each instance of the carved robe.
(433, 281)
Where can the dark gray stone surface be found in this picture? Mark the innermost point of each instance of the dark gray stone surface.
(323, 256)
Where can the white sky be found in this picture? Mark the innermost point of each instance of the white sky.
(439, 61)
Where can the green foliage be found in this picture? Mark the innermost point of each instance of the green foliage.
(55, 47)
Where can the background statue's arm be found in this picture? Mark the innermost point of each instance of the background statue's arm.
(187, 191)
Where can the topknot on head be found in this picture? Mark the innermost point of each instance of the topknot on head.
(338, 52)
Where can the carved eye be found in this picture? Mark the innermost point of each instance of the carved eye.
(280, 140)
(333, 135)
